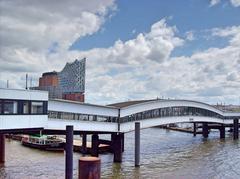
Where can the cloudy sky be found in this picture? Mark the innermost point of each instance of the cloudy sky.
(137, 49)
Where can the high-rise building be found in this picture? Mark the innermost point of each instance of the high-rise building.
(68, 84)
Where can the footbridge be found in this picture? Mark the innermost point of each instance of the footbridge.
(31, 111)
(26, 109)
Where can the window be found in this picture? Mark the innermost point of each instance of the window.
(10, 107)
(1, 107)
(37, 108)
(25, 107)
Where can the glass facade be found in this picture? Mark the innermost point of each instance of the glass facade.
(21, 107)
(72, 77)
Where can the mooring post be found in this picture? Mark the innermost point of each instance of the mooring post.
(84, 143)
(117, 148)
(235, 129)
(2, 149)
(69, 153)
(205, 129)
(122, 138)
(222, 131)
(194, 129)
(137, 144)
(95, 143)
(89, 168)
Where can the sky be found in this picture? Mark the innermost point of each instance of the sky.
(138, 49)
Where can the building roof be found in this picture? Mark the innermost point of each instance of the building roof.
(129, 103)
(49, 73)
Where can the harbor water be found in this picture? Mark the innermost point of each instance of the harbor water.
(164, 154)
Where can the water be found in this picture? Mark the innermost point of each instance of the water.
(164, 154)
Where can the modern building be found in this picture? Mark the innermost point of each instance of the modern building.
(68, 84)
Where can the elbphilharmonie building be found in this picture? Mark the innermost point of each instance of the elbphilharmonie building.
(72, 77)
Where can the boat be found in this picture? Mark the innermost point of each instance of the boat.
(43, 142)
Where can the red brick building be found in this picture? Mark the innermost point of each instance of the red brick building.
(67, 84)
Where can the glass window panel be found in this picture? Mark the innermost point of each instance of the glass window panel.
(10, 107)
(1, 107)
(37, 108)
(25, 107)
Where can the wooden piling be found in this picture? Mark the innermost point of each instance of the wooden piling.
(205, 129)
(2, 149)
(117, 148)
(194, 129)
(95, 143)
(235, 129)
(84, 143)
(222, 131)
(137, 144)
(69, 153)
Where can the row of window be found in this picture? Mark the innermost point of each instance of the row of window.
(155, 113)
(22, 107)
(82, 117)
(171, 111)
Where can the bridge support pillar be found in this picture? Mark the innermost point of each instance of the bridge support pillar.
(137, 144)
(2, 149)
(117, 147)
(205, 129)
(222, 131)
(69, 153)
(95, 143)
(235, 129)
(194, 129)
(84, 143)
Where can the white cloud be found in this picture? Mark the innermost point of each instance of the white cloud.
(138, 68)
(29, 29)
(127, 71)
(214, 2)
(235, 3)
(233, 32)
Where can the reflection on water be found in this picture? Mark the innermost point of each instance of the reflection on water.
(164, 154)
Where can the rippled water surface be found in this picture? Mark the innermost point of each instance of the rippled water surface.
(164, 154)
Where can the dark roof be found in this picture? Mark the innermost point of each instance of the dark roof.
(129, 103)
(49, 73)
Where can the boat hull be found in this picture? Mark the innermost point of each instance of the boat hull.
(48, 147)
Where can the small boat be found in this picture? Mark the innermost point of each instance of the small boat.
(43, 142)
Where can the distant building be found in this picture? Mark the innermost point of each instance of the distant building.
(68, 84)
(72, 77)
